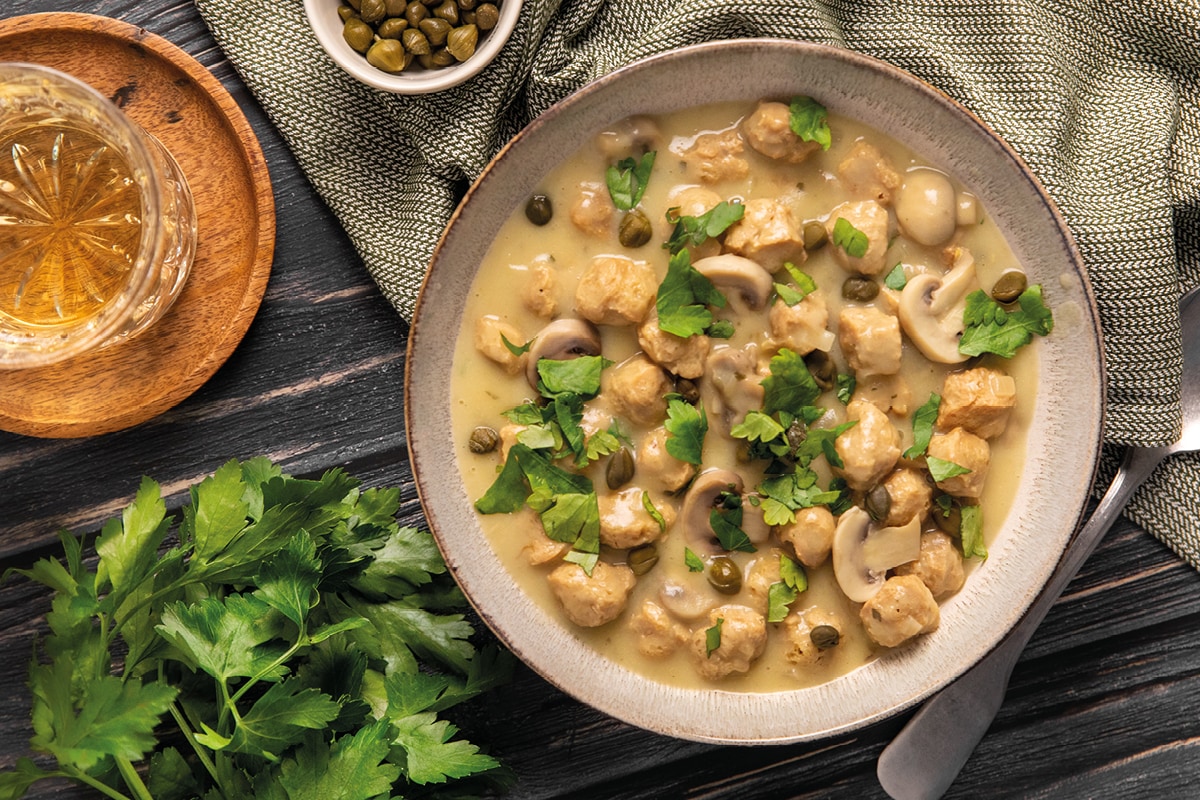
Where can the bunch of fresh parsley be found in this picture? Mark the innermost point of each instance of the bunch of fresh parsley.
(294, 642)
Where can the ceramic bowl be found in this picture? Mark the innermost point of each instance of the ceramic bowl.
(1063, 442)
(323, 16)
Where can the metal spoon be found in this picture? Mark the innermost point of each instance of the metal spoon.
(926, 756)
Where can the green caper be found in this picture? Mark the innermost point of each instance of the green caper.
(387, 55)
(415, 42)
(725, 575)
(486, 16)
(435, 30)
(861, 289)
(467, 5)
(642, 559)
(415, 13)
(821, 367)
(635, 229)
(395, 8)
(392, 28)
(539, 210)
(1009, 286)
(372, 11)
(442, 58)
(483, 440)
(468, 18)
(619, 470)
(688, 390)
(878, 503)
(355, 4)
(447, 11)
(358, 34)
(825, 637)
(815, 236)
(346, 12)
(461, 42)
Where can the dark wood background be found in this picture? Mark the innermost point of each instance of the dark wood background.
(1104, 704)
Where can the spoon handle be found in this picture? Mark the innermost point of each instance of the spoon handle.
(927, 755)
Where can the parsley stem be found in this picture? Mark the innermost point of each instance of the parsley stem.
(77, 774)
(291, 651)
(132, 779)
(190, 735)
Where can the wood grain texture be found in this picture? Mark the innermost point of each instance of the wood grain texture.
(176, 99)
(1103, 705)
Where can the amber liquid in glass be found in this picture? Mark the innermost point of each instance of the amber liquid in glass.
(70, 223)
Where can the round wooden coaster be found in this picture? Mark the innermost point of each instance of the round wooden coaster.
(174, 97)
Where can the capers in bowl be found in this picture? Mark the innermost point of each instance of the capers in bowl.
(725, 575)
(429, 35)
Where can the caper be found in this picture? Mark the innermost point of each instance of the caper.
(355, 4)
(821, 367)
(346, 13)
(815, 236)
(415, 42)
(688, 390)
(619, 470)
(467, 5)
(467, 18)
(878, 503)
(861, 289)
(392, 28)
(825, 636)
(447, 11)
(539, 210)
(442, 58)
(415, 13)
(461, 42)
(642, 559)
(1009, 286)
(388, 55)
(483, 440)
(635, 229)
(358, 34)
(486, 16)
(725, 575)
(395, 8)
(435, 30)
(372, 10)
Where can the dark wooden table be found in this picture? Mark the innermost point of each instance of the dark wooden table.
(1104, 704)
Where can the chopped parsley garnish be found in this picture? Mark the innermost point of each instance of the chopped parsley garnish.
(971, 531)
(808, 119)
(850, 238)
(923, 419)
(627, 180)
(780, 595)
(686, 427)
(896, 279)
(694, 562)
(653, 511)
(790, 386)
(845, 388)
(579, 376)
(515, 349)
(557, 424)
(992, 329)
(697, 230)
(805, 286)
(684, 297)
(726, 521)
(712, 637)
(941, 469)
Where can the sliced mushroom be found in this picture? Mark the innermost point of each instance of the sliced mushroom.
(731, 383)
(931, 309)
(739, 274)
(685, 603)
(560, 340)
(863, 552)
(698, 504)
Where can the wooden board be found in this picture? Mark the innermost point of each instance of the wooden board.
(176, 99)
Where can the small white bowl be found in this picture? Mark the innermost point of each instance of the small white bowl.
(323, 16)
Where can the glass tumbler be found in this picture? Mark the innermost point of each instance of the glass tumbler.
(97, 223)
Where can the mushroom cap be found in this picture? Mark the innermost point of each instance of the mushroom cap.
(931, 310)
(864, 552)
(560, 340)
(740, 274)
(698, 503)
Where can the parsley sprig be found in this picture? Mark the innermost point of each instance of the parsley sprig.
(684, 297)
(992, 329)
(290, 632)
(627, 180)
(696, 231)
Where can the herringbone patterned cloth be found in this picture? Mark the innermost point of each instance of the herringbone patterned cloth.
(1101, 99)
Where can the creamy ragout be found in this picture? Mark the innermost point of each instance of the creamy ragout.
(712, 399)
